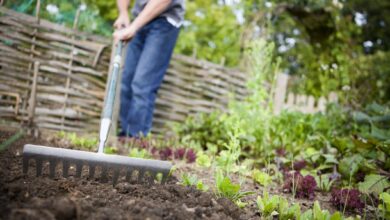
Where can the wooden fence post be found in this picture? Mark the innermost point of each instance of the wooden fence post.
(32, 102)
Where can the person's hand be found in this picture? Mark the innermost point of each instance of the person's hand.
(122, 21)
(124, 34)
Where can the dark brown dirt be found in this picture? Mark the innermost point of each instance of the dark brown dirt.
(29, 197)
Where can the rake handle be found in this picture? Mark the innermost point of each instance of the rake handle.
(110, 98)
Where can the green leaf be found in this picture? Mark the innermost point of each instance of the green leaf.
(188, 180)
(380, 134)
(317, 212)
(374, 184)
(361, 117)
(201, 186)
(384, 206)
(336, 216)
(308, 215)
(350, 165)
(203, 160)
(261, 177)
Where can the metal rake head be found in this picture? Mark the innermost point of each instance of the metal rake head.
(144, 170)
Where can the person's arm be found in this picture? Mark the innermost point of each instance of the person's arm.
(152, 9)
(123, 18)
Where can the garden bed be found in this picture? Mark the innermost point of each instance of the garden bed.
(29, 197)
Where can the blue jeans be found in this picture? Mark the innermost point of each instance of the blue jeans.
(148, 56)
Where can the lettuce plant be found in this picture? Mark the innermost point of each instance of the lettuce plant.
(300, 186)
(347, 198)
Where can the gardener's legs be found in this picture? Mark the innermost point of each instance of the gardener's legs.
(133, 54)
(153, 63)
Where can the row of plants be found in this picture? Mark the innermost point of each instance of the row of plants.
(342, 152)
(134, 147)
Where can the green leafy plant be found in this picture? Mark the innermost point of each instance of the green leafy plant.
(78, 141)
(227, 159)
(201, 186)
(384, 206)
(324, 182)
(188, 180)
(225, 188)
(316, 213)
(270, 207)
(110, 150)
(192, 180)
(139, 153)
(262, 178)
(375, 184)
(203, 160)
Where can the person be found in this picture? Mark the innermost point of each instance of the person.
(152, 37)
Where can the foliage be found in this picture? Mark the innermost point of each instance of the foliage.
(166, 153)
(209, 36)
(261, 177)
(277, 206)
(374, 184)
(203, 159)
(78, 141)
(110, 150)
(347, 199)
(180, 153)
(204, 129)
(139, 153)
(64, 12)
(318, 213)
(324, 182)
(190, 156)
(192, 180)
(384, 207)
(225, 188)
(227, 159)
(301, 186)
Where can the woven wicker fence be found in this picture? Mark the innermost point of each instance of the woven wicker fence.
(53, 77)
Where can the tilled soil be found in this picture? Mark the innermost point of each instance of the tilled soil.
(29, 197)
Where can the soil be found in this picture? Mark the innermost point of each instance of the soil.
(24, 196)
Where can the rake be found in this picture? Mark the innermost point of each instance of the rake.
(142, 170)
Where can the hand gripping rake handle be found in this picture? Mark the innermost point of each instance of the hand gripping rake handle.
(110, 98)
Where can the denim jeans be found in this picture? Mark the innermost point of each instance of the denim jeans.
(148, 56)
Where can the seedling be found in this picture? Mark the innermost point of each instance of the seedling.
(225, 188)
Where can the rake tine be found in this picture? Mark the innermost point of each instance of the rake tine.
(109, 166)
(128, 175)
(141, 175)
(25, 164)
(39, 166)
(104, 174)
(152, 177)
(164, 177)
(65, 168)
(79, 169)
(115, 176)
(91, 171)
(52, 168)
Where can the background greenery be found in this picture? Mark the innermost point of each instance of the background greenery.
(327, 45)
